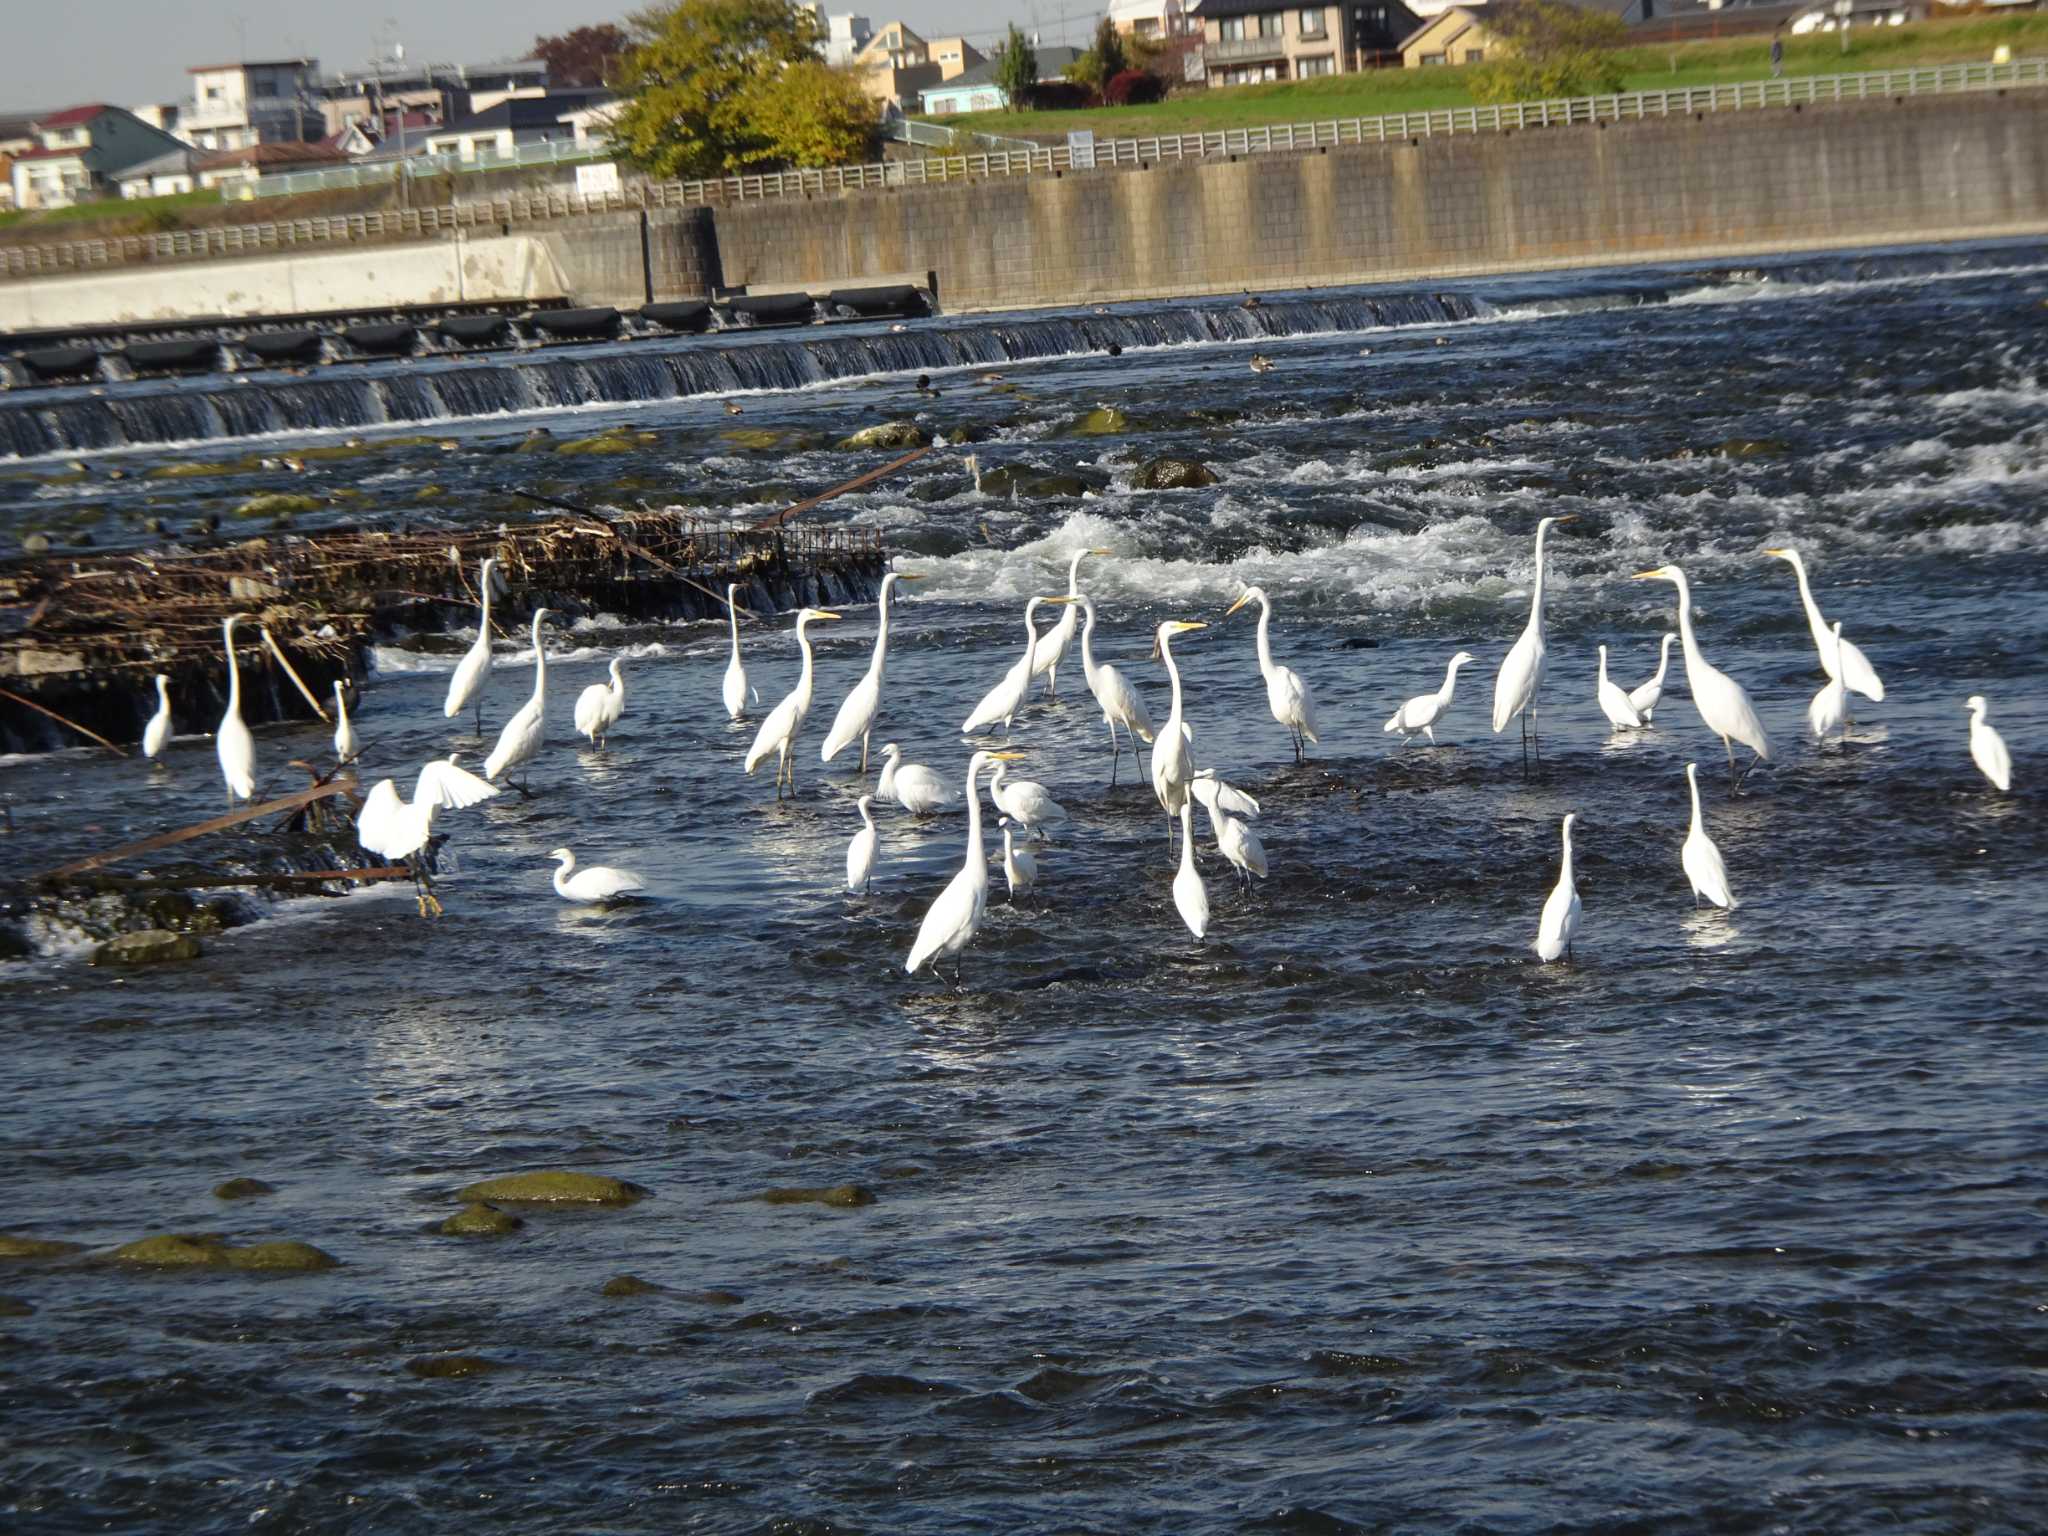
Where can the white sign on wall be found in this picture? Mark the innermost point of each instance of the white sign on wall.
(1081, 149)
(597, 180)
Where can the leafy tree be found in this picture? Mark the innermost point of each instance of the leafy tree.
(1103, 61)
(1017, 69)
(1546, 48)
(725, 85)
(585, 56)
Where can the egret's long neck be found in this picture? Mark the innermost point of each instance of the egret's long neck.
(1603, 666)
(1088, 666)
(1693, 659)
(1074, 574)
(1536, 594)
(1565, 871)
(618, 681)
(732, 614)
(977, 853)
(1450, 682)
(886, 784)
(803, 640)
(1265, 638)
(340, 702)
(562, 869)
(484, 581)
(234, 670)
(1814, 621)
(1187, 834)
(1173, 676)
(163, 693)
(1663, 658)
(881, 632)
(540, 664)
(1692, 780)
(1030, 633)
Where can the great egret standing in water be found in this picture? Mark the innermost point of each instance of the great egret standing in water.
(400, 830)
(779, 731)
(520, 741)
(1422, 712)
(1050, 649)
(599, 706)
(158, 731)
(1561, 910)
(1189, 894)
(1987, 747)
(1287, 696)
(950, 922)
(1213, 794)
(1173, 764)
(860, 852)
(1644, 697)
(232, 742)
(857, 710)
(1853, 667)
(346, 747)
(1521, 676)
(1700, 858)
(1829, 710)
(1026, 801)
(734, 691)
(1020, 869)
(1003, 701)
(1121, 703)
(466, 687)
(1723, 703)
(594, 883)
(1614, 704)
(913, 786)
(1235, 839)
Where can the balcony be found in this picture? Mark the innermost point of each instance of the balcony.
(1247, 50)
(233, 114)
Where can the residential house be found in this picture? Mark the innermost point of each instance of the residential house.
(1152, 20)
(17, 132)
(160, 115)
(162, 175)
(513, 124)
(975, 90)
(894, 65)
(1247, 41)
(844, 35)
(260, 102)
(954, 56)
(80, 152)
(1456, 35)
(591, 126)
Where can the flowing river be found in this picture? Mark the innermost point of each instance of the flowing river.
(1353, 1217)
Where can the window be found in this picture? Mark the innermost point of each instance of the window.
(1273, 24)
(1231, 29)
(1309, 69)
(1432, 58)
(1146, 26)
(1474, 55)
(1312, 23)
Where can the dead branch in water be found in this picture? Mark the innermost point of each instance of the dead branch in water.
(32, 704)
(186, 834)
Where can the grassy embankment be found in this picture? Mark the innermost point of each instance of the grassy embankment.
(1646, 67)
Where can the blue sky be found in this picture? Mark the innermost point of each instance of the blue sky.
(129, 51)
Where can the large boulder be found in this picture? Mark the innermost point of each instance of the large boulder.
(555, 1186)
(628, 1285)
(1005, 481)
(479, 1220)
(16, 1247)
(242, 1189)
(890, 434)
(152, 946)
(207, 1250)
(1103, 421)
(846, 1196)
(1171, 474)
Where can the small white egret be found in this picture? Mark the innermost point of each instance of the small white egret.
(1051, 647)
(466, 687)
(1235, 839)
(520, 741)
(346, 747)
(1020, 869)
(1561, 909)
(779, 731)
(1987, 747)
(399, 829)
(734, 691)
(1829, 710)
(1614, 704)
(1213, 795)
(599, 706)
(1723, 703)
(1189, 894)
(1026, 801)
(1700, 858)
(1853, 667)
(1173, 764)
(1121, 703)
(1521, 676)
(950, 922)
(232, 742)
(858, 709)
(860, 852)
(158, 731)
(1422, 712)
(913, 786)
(1287, 696)
(1646, 696)
(1003, 701)
(594, 884)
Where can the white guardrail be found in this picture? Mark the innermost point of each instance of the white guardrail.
(497, 213)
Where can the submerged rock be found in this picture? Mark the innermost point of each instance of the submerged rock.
(207, 1250)
(555, 1186)
(1171, 474)
(1103, 421)
(292, 1257)
(1753, 448)
(14, 1306)
(629, 1285)
(890, 434)
(1007, 481)
(617, 441)
(13, 1246)
(242, 1189)
(844, 1195)
(479, 1220)
(152, 946)
(449, 1367)
(277, 504)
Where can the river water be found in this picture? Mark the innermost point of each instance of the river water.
(1353, 1217)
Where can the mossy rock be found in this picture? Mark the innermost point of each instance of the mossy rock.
(757, 439)
(284, 1257)
(966, 433)
(186, 471)
(1171, 474)
(629, 1285)
(889, 434)
(174, 1250)
(479, 1220)
(716, 1298)
(608, 442)
(1006, 481)
(846, 1196)
(35, 544)
(428, 493)
(16, 1247)
(242, 1189)
(1103, 421)
(277, 504)
(449, 1367)
(152, 946)
(14, 1306)
(555, 1186)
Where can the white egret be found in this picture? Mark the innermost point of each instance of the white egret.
(520, 741)
(1987, 747)
(950, 922)
(1829, 710)
(232, 742)
(779, 731)
(1521, 675)
(1723, 703)
(1854, 667)
(1026, 801)
(158, 731)
(1121, 703)
(1561, 910)
(1050, 649)
(1173, 764)
(857, 711)
(1614, 704)
(346, 747)
(914, 787)
(860, 852)
(1007, 697)
(1287, 696)
(1189, 894)
(1422, 712)
(1020, 869)
(1700, 858)
(466, 687)
(1213, 795)
(735, 688)
(1235, 839)
(400, 830)
(1646, 696)
(593, 884)
(599, 706)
